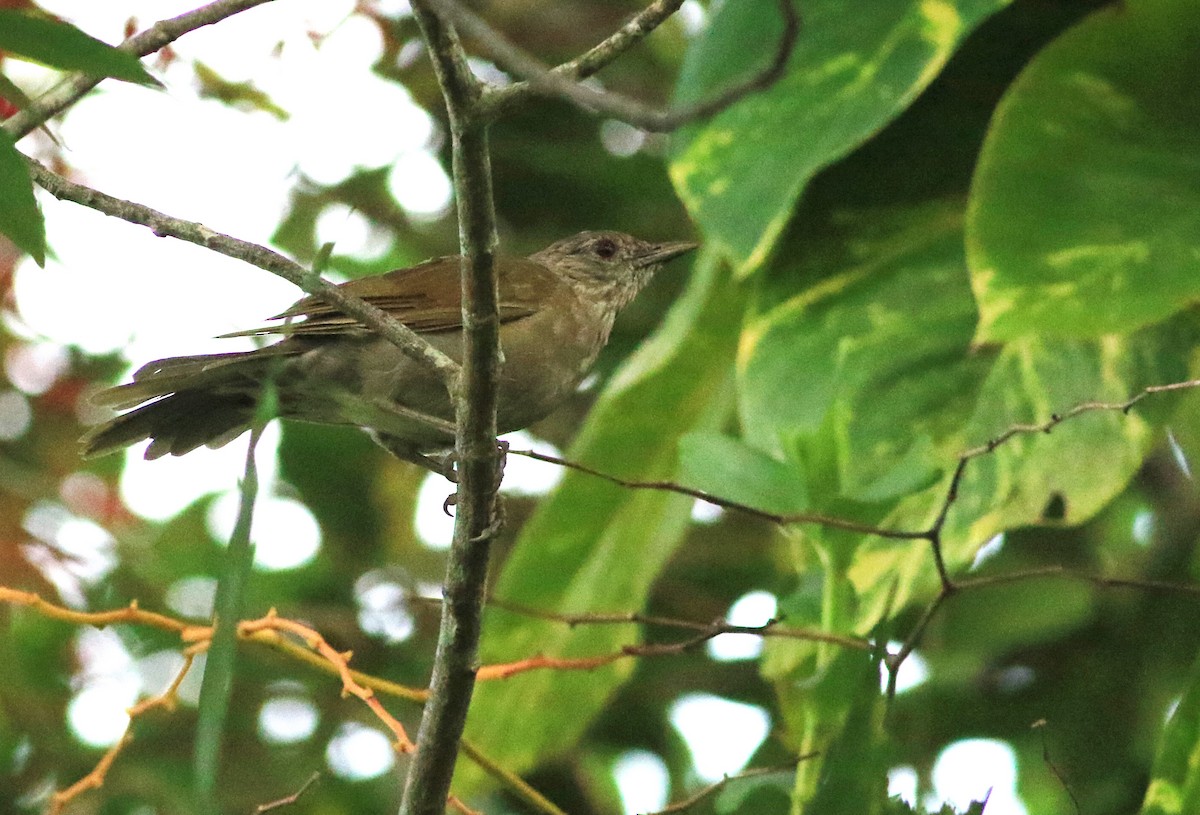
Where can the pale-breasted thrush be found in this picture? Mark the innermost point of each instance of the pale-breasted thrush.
(556, 311)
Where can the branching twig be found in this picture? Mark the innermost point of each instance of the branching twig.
(934, 533)
(260, 632)
(339, 660)
(168, 700)
(146, 42)
(164, 225)
(563, 81)
(273, 639)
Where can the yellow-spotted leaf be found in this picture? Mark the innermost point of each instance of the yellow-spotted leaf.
(853, 70)
(1085, 208)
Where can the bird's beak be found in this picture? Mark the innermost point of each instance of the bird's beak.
(662, 252)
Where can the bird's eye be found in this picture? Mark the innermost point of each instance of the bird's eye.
(605, 248)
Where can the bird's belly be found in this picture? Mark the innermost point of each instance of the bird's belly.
(544, 365)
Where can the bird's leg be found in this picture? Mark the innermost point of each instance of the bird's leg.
(451, 463)
(443, 464)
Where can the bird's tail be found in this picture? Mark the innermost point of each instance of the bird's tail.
(183, 403)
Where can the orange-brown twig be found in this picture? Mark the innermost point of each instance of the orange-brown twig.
(167, 700)
(129, 614)
(339, 660)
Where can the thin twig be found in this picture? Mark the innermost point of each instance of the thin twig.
(893, 661)
(339, 660)
(100, 619)
(275, 640)
(510, 780)
(160, 34)
(935, 531)
(168, 700)
(1041, 726)
(560, 82)
(457, 804)
(501, 99)
(714, 788)
(1058, 572)
(725, 503)
(164, 225)
(771, 628)
(287, 800)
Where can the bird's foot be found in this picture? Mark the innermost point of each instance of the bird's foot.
(450, 471)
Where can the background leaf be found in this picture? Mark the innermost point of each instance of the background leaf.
(1085, 210)
(740, 173)
(1175, 783)
(64, 46)
(20, 216)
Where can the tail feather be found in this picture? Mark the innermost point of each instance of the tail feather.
(178, 424)
(183, 403)
(177, 374)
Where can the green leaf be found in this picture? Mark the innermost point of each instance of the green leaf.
(64, 46)
(1175, 778)
(20, 216)
(217, 686)
(240, 95)
(10, 91)
(874, 364)
(731, 469)
(763, 794)
(847, 360)
(1085, 209)
(740, 173)
(853, 778)
(597, 547)
(1083, 463)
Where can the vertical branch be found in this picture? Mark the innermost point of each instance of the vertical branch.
(456, 660)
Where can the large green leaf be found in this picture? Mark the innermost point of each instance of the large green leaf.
(594, 546)
(741, 173)
(1085, 211)
(875, 365)
(64, 46)
(1065, 476)
(853, 779)
(13, 94)
(733, 470)
(1175, 780)
(20, 217)
(875, 359)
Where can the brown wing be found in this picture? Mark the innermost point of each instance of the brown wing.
(425, 297)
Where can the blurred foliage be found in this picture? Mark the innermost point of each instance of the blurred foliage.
(947, 218)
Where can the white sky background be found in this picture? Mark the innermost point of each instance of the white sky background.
(115, 287)
(232, 171)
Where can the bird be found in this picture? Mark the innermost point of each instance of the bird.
(556, 310)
